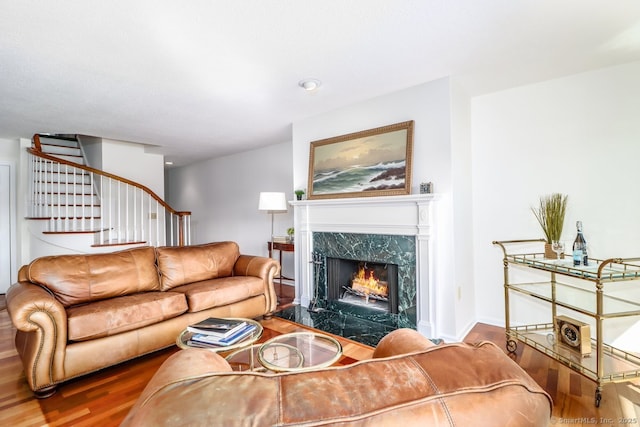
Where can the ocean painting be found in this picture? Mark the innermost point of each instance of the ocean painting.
(375, 162)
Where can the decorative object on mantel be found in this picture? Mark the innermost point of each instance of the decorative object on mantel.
(375, 162)
(299, 194)
(272, 202)
(550, 214)
(426, 187)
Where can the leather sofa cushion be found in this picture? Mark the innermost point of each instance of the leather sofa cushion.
(78, 279)
(447, 385)
(187, 264)
(218, 292)
(113, 316)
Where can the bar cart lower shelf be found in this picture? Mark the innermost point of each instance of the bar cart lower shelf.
(585, 291)
(618, 365)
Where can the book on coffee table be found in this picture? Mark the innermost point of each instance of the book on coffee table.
(205, 339)
(217, 327)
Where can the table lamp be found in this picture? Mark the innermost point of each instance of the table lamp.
(272, 202)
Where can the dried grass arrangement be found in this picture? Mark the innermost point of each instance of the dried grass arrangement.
(550, 215)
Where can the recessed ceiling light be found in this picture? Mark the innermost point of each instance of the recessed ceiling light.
(309, 84)
(168, 163)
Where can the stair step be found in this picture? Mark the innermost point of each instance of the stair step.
(53, 211)
(56, 150)
(69, 188)
(59, 141)
(71, 217)
(59, 199)
(73, 225)
(50, 167)
(63, 177)
(78, 205)
(72, 232)
(70, 158)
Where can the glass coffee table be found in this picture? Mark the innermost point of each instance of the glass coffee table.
(183, 339)
(298, 351)
(246, 359)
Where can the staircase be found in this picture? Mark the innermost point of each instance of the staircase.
(65, 194)
(68, 197)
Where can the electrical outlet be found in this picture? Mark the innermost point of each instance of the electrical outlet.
(153, 215)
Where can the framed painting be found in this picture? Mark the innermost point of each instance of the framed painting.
(375, 162)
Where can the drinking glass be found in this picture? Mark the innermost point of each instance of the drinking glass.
(558, 247)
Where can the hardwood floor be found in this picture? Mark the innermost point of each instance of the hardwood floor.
(104, 398)
(573, 395)
(286, 294)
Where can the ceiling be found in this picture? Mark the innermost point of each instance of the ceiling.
(200, 79)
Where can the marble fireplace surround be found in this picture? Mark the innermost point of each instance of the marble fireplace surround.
(407, 217)
(377, 248)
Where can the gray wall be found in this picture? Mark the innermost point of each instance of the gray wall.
(222, 195)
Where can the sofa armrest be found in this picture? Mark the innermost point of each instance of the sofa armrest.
(401, 341)
(41, 338)
(264, 268)
(185, 364)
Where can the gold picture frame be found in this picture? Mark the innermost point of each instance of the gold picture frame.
(374, 162)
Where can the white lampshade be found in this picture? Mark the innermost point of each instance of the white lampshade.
(272, 201)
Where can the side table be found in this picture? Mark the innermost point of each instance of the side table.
(281, 247)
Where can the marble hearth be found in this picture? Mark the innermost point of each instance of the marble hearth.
(393, 229)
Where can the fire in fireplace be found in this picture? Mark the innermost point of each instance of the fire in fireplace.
(371, 285)
(366, 285)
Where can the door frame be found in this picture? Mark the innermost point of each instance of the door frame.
(12, 220)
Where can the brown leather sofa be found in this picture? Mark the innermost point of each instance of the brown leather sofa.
(409, 382)
(76, 314)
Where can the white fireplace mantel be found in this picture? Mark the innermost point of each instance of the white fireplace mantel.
(410, 215)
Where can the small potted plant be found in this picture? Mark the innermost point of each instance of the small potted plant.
(550, 215)
(290, 232)
(299, 194)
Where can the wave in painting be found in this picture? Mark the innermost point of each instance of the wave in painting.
(381, 176)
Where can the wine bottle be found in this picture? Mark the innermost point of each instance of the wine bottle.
(580, 256)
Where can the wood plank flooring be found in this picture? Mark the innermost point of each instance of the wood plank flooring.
(573, 394)
(104, 398)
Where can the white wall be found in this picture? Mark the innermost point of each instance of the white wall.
(130, 161)
(92, 150)
(429, 105)
(426, 104)
(463, 289)
(9, 248)
(222, 195)
(578, 135)
(9, 150)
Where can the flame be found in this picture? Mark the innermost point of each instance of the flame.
(368, 284)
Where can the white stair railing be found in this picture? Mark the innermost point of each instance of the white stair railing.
(79, 199)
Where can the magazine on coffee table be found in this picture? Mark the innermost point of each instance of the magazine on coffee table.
(217, 326)
(210, 340)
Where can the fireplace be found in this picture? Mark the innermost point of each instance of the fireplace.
(391, 230)
(370, 276)
(371, 285)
